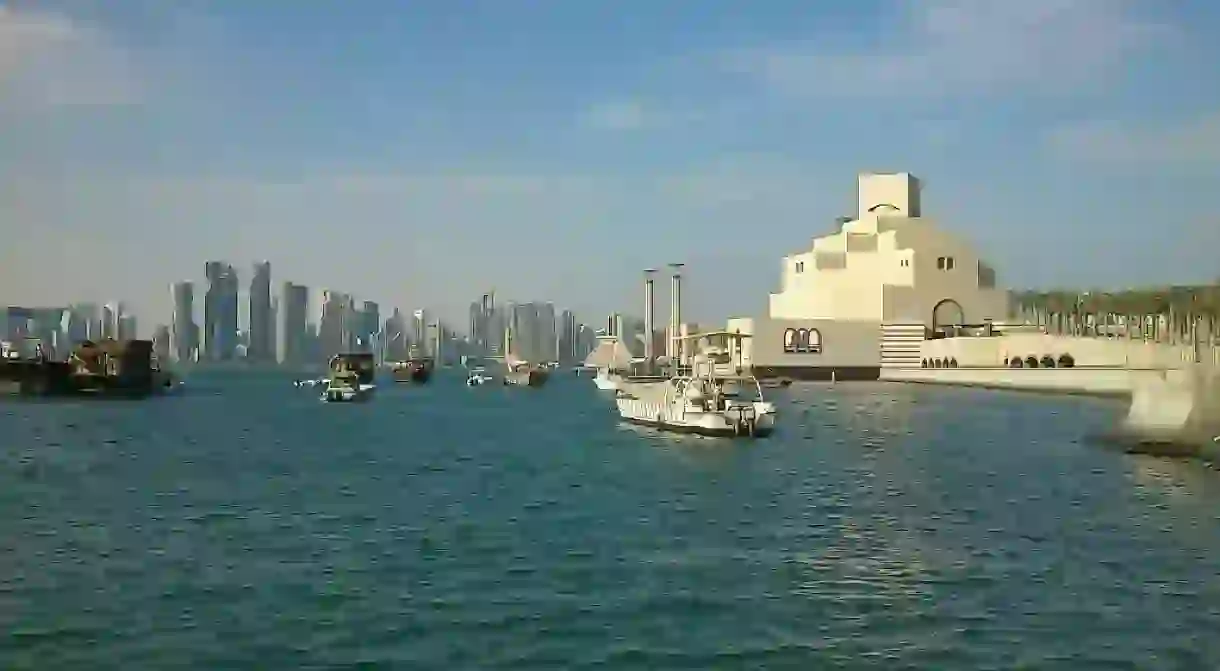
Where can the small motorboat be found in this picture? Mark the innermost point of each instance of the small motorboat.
(477, 377)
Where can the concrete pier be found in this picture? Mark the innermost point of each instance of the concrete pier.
(1180, 411)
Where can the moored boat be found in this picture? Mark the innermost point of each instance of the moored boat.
(352, 378)
(525, 375)
(417, 369)
(477, 377)
(703, 401)
(108, 368)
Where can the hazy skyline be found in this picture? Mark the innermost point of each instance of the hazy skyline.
(551, 150)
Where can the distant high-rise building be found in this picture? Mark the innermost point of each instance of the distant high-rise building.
(476, 326)
(162, 345)
(293, 323)
(548, 336)
(184, 333)
(368, 324)
(420, 335)
(128, 328)
(334, 326)
(84, 323)
(395, 337)
(261, 339)
(220, 312)
(568, 338)
(111, 314)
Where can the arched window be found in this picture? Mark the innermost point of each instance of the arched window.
(802, 341)
(884, 207)
(813, 342)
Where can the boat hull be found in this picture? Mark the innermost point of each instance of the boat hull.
(417, 372)
(526, 378)
(348, 394)
(700, 430)
(607, 382)
(754, 420)
(57, 378)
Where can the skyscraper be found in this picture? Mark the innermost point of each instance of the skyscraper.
(568, 338)
(128, 328)
(368, 325)
(161, 342)
(220, 312)
(395, 337)
(547, 340)
(334, 327)
(294, 319)
(184, 333)
(261, 345)
(420, 335)
(84, 323)
(111, 314)
(477, 328)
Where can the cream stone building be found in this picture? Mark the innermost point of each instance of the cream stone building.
(887, 277)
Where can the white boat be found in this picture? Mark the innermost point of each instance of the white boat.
(607, 380)
(477, 376)
(310, 383)
(351, 378)
(610, 359)
(704, 401)
(342, 391)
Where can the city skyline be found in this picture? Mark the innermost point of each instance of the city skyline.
(282, 329)
(451, 149)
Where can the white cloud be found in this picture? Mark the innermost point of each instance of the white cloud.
(941, 47)
(624, 115)
(636, 115)
(48, 59)
(1192, 143)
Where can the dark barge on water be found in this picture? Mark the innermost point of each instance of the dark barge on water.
(109, 369)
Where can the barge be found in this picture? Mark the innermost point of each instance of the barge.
(108, 368)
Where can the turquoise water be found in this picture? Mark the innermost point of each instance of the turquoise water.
(245, 525)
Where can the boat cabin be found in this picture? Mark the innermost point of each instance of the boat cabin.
(359, 366)
(714, 350)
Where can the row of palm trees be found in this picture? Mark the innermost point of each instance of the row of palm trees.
(1174, 315)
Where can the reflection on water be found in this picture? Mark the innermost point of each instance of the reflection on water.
(882, 526)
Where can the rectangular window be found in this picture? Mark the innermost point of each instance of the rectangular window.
(949, 263)
(800, 266)
(940, 263)
(986, 276)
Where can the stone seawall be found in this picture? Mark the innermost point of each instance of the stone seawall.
(1181, 410)
(1106, 381)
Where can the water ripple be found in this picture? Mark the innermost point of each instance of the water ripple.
(883, 526)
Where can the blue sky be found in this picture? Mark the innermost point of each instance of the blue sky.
(418, 153)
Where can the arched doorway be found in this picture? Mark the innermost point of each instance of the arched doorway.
(947, 313)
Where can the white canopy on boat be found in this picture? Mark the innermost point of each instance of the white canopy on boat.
(609, 354)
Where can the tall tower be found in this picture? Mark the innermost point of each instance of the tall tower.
(184, 334)
(674, 341)
(649, 317)
(262, 327)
